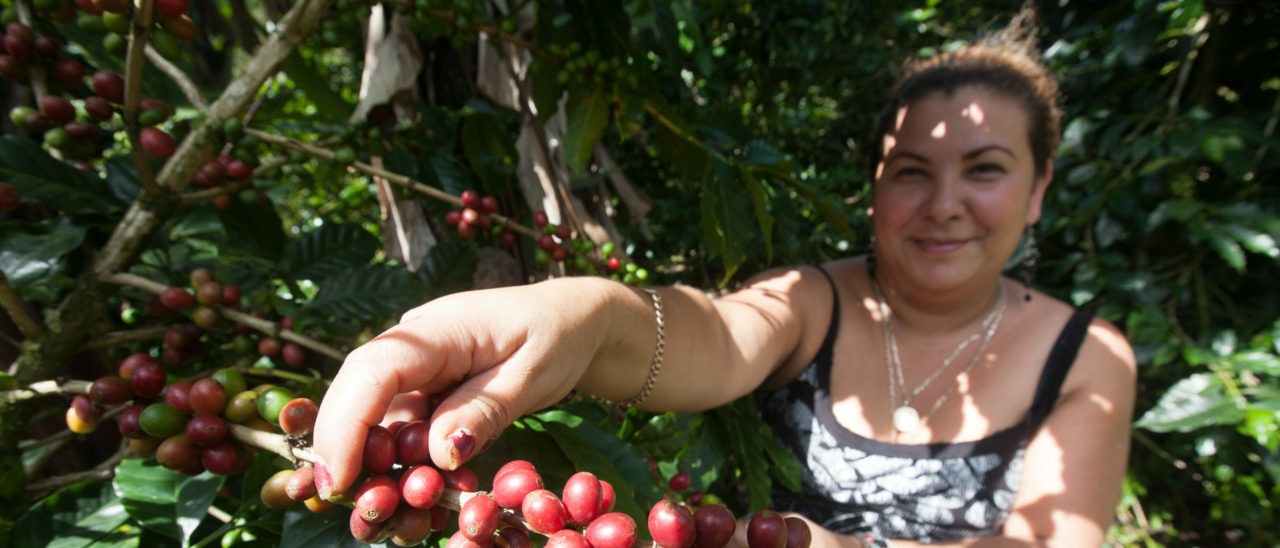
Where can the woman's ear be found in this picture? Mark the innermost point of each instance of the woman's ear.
(1037, 193)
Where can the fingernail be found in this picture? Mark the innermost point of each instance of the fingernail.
(324, 481)
(464, 443)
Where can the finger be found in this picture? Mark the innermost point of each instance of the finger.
(393, 363)
(479, 409)
(410, 407)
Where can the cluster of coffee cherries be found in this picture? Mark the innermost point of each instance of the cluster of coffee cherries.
(112, 19)
(473, 219)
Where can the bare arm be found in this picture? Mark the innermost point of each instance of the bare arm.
(502, 353)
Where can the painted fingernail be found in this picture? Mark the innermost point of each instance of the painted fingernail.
(324, 481)
(464, 443)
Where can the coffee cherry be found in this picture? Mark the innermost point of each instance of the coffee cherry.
(671, 524)
(204, 430)
(488, 204)
(205, 316)
(238, 170)
(209, 292)
(175, 452)
(798, 533)
(162, 420)
(127, 422)
(230, 379)
(377, 498)
(379, 450)
(298, 418)
(421, 486)
(10, 198)
(78, 424)
(171, 8)
(410, 526)
(509, 489)
(470, 199)
(607, 497)
(679, 482)
(272, 401)
(364, 530)
(223, 457)
(230, 294)
(181, 27)
(208, 397)
(243, 407)
(144, 446)
(177, 298)
(582, 497)
(148, 380)
(318, 505)
(86, 409)
(518, 464)
(612, 530)
(110, 390)
(89, 6)
(540, 219)
(58, 109)
(109, 85)
(460, 540)
(411, 444)
(113, 6)
(567, 538)
(178, 394)
(293, 354)
(461, 479)
(767, 529)
(131, 363)
(301, 484)
(544, 512)
(714, 526)
(478, 518)
(156, 142)
(514, 537)
(269, 347)
(273, 493)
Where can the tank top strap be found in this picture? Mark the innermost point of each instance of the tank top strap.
(1061, 357)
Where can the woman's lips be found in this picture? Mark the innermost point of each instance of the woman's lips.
(938, 247)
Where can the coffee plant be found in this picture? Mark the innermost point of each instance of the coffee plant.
(204, 206)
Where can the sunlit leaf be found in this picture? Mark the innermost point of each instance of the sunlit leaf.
(1194, 402)
(587, 114)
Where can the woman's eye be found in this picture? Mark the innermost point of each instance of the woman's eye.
(909, 171)
(987, 169)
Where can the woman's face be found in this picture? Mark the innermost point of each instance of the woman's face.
(955, 190)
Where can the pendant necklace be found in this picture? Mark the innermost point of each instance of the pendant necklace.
(907, 418)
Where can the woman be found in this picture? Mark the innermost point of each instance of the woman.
(930, 398)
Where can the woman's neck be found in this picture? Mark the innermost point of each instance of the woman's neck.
(918, 310)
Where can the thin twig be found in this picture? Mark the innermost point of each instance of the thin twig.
(12, 304)
(46, 388)
(188, 87)
(108, 340)
(104, 470)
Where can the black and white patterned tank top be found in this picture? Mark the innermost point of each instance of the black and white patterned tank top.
(929, 493)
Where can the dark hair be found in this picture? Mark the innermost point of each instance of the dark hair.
(1005, 62)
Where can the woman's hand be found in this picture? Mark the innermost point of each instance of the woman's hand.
(493, 355)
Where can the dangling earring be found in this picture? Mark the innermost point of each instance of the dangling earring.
(1030, 254)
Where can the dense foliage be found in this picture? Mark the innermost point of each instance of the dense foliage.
(693, 142)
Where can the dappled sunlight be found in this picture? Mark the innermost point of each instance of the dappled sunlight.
(939, 131)
(974, 112)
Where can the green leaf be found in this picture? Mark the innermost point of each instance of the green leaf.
(689, 157)
(83, 514)
(590, 448)
(760, 196)
(1253, 240)
(32, 253)
(163, 500)
(254, 231)
(1227, 248)
(1194, 402)
(329, 106)
(726, 220)
(304, 529)
(369, 294)
(1257, 361)
(448, 267)
(587, 115)
(44, 180)
(332, 249)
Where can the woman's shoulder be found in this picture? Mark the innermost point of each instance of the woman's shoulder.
(1105, 360)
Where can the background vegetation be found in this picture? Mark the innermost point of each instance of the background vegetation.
(705, 140)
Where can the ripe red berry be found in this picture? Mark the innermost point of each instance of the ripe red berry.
(148, 380)
(230, 295)
(767, 529)
(131, 362)
(377, 498)
(671, 524)
(238, 170)
(110, 390)
(269, 347)
(298, 417)
(510, 488)
(679, 482)
(171, 8)
(178, 395)
(293, 354)
(540, 219)
(206, 430)
(470, 199)
(208, 396)
(364, 530)
(546, 242)
(411, 444)
(57, 108)
(582, 496)
(461, 479)
(10, 198)
(128, 423)
(109, 85)
(209, 292)
(478, 518)
(177, 298)
(798, 533)
(614, 263)
(714, 526)
(513, 465)
(460, 540)
(379, 450)
(301, 484)
(544, 512)
(568, 538)
(113, 6)
(452, 217)
(156, 142)
(607, 497)
(85, 409)
(515, 537)
(612, 530)
(89, 6)
(421, 486)
(488, 204)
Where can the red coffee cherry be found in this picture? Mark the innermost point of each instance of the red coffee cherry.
(798, 533)
(127, 421)
(410, 526)
(364, 530)
(679, 482)
(222, 458)
(568, 538)
(178, 394)
(10, 198)
(148, 380)
(209, 292)
(607, 497)
(377, 498)
(612, 530)
(176, 453)
(544, 512)
(713, 525)
(517, 464)
(208, 397)
(540, 219)
(767, 529)
(206, 430)
(462, 479)
(269, 347)
(156, 142)
(411, 444)
(85, 409)
(421, 486)
(230, 294)
(379, 450)
(171, 8)
(57, 108)
(460, 540)
(583, 498)
(509, 489)
(301, 484)
(98, 108)
(478, 518)
(177, 298)
(671, 524)
(298, 418)
(470, 199)
(293, 354)
(110, 390)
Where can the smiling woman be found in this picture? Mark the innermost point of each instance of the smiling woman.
(926, 404)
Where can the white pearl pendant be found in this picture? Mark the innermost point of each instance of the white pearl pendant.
(906, 419)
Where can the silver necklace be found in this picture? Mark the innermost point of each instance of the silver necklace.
(905, 417)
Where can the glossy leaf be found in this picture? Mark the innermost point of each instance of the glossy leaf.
(332, 249)
(48, 181)
(33, 253)
(587, 115)
(367, 294)
(1197, 401)
(164, 500)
